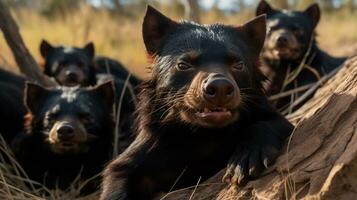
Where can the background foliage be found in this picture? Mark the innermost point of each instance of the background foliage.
(115, 25)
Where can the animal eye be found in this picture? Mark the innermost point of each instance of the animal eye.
(183, 66)
(238, 66)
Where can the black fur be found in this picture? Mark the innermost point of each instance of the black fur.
(167, 143)
(104, 65)
(300, 27)
(12, 109)
(90, 108)
(97, 70)
(58, 57)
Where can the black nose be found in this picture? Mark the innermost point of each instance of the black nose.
(65, 132)
(282, 40)
(71, 75)
(219, 91)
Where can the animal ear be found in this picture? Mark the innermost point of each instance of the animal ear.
(254, 32)
(106, 91)
(89, 49)
(264, 8)
(45, 48)
(156, 27)
(34, 96)
(314, 13)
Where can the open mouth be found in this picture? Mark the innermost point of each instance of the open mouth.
(214, 115)
(282, 51)
(67, 146)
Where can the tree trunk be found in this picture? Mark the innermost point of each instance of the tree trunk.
(192, 11)
(320, 159)
(23, 58)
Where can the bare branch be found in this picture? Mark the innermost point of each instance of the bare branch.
(23, 58)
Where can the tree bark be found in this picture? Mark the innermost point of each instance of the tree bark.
(320, 159)
(23, 58)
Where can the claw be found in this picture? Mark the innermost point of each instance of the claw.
(235, 179)
(266, 162)
(252, 171)
(247, 164)
(227, 177)
(268, 155)
(241, 180)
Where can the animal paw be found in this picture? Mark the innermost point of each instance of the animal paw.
(248, 163)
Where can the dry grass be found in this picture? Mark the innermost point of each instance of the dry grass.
(15, 184)
(119, 37)
(337, 33)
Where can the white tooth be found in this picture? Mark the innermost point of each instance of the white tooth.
(206, 110)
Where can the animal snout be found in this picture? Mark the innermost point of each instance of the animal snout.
(65, 132)
(71, 75)
(218, 90)
(282, 39)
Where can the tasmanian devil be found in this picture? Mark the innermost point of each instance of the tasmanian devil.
(202, 107)
(72, 66)
(69, 132)
(12, 109)
(290, 48)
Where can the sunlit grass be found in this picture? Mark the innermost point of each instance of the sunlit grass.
(120, 37)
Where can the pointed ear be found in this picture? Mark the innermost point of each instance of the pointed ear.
(45, 48)
(254, 32)
(106, 91)
(34, 96)
(264, 8)
(89, 49)
(314, 14)
(156, 27)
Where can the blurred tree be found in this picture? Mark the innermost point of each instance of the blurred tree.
(118, 6)
(350, 5)
(241, 4)
(328, 5)
(54, 8)
(192, 10)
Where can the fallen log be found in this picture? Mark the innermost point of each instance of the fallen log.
(320, 159)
